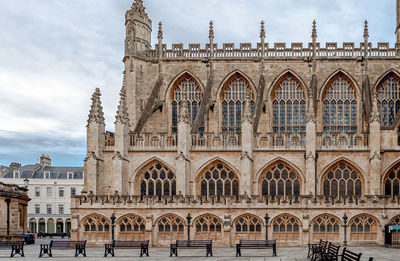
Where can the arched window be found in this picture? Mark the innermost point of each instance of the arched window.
(342, 180)
(286, 228)
(288, 106)
(32, 225)
(363, 227)
(233, 96)
(96, 223)
(208, 227)
(248, 226)
(42, 226)
(131, 223)
(186, 84)
(340, 106)
(218, 180)
(392, 181)
(326, 227)
(395, 221)
(389, 98)
(170, 227)
(280, 179)
(157, 179)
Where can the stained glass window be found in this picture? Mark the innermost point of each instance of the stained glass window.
(219, 180)
(157, 179)
(389, 99)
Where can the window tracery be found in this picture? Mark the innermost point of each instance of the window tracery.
(280, 179)
(208, 223)
(392, 181)
(363, 227)
(286, 228)
(194, 93)
(233, 96)
(248, 223)
(326, 227)
(289, 106)
(170, 223)
(342, 180)
(131, 223)
(340, 107)
(96, 223)
(395, 221)
(219, 180)
(157, 179)
(389, 99)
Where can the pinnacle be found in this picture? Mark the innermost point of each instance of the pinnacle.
(262, 31)
(122, 112)
(211, 31)
(314, 30)
(366, 35)
(138, 7)
(160, 32)
(96, 110)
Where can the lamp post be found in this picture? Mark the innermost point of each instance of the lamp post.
(188, 218)
(266, 225)
(345, 229)
(112, 226)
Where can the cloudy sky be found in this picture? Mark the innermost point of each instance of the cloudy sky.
(54, 53)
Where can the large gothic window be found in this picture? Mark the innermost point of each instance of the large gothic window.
(289, 106)
(170, 227)
(131, 223)
(157, 179)
(96, 223)
(326, 227)
(392, 181)
(342, 180)
(363, 227)
(340, 106)
(286, 228)
(208, 227)
(186, 85)
(218, 180)
(280, 179)
(233, 96)
(389, 98)
(248, 226)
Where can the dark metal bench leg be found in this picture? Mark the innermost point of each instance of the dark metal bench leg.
(147, 250)
(80, 250)
(209, 250)
(173, 251)
(238, 251)
(274, 250)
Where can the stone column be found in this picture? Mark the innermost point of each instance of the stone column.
(182, 161)
(246, 161)
(310, 156)
(375, 150)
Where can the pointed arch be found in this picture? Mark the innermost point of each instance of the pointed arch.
(387, 89)
(279, 178)
(391, 180)
(208, 226)
(230, 76)
(342, 178)
(279, 159)
(95, 223)
(288, 97)
(340, 104)
(184, 84)
(169, 227)
(363, 227)
(326, 226)
(131, 227)
(282, 76)
(168, 92)
(395, 220)
(217, 178)
(231, 97)
(331, 77)
(155, 178)
(248, 226)
(286, 227)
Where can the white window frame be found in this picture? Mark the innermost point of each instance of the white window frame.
(37, 208)
(17, 174)
(49, 208)
(59, 192)
(61, 207)
(73, 188)
(49, 191)
(37, 192)
(70, 175)
(47, 174)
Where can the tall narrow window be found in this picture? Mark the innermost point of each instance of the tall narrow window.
(389, 98)
(340, 106)
(392, 181)
(186, 84)
(156, 180)
(289, 106)
(233, 95)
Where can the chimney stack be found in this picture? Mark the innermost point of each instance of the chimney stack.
(45, 160)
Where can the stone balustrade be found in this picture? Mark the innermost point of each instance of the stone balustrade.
(348, 141)
(210, 141)
(278, 50)
(151, 141)
(273, 141)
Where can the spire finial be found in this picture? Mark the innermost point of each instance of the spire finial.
(138, 7)
(262, 32)
(96, 110)
(366, 35)
(211, 31)
(314, 30)
(160, 32)
(122, 112)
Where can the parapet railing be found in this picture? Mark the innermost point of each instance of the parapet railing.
(246, 50)
(347, 141)
(273, 141)
(211, 141)
(149, 141)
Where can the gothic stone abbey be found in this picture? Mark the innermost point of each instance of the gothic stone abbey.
(305, 134)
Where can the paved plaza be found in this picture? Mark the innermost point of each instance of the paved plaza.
(379, 253)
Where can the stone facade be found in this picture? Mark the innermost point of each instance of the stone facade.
(305, 134)
(13, 203)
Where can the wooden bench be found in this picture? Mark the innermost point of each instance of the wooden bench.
(79, 246)
(207, 244)
(350, 256)
(17, 247)
(143, 245)
(318, 249)
(255, 244)
(332, 253)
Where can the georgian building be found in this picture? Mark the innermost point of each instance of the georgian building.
(50, 188)
(307, 134)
